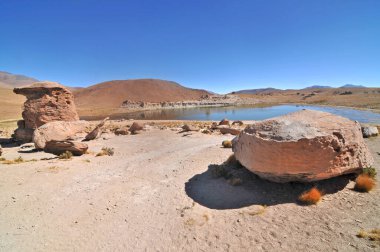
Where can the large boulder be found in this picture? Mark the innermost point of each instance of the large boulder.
(46, 102)
(58, 131)
(59, 147)
(303, 146)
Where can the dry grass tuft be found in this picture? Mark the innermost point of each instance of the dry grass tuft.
(370, 171)
(313, 196)
(227, 144)
(66, 155)
(106, 152)
(364, 183)
(373, 235)
(14, 161)
(232, 161)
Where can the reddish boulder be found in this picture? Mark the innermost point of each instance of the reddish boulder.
(228, 130)
(46, 102)
(59, 147)
(303, 146)
(224, 122)
(136, 127)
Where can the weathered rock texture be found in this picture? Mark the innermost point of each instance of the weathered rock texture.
(59, 147)
(224, 129)
(302, 146)
(95, 133)
(46, 102)
(58, 131)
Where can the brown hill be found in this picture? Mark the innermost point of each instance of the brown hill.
(8, 80)
(10, 104)
(112, 94)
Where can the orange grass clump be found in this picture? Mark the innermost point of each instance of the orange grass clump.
(313, 196)
(364, 183)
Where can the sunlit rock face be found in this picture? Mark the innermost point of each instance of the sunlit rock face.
(303, 146)
(46, 102)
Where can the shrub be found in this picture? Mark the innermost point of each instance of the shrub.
(218, 171)
(370, 171)
(106, 152)
(227, 144)
(232, 161)
(364, 183)
(66, 155)
(313, 196)
(235, 181)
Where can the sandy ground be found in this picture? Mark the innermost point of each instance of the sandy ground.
(157, 194)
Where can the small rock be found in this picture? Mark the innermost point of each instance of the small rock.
(240, 123)
(136, 126)
(95, 133)
(187, 127)
(369, 131)
(225, 121)
(214, 125)
(228, 130)
(122, 131)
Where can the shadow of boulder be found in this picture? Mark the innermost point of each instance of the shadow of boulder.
(213, 189)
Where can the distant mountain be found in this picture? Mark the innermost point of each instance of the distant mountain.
(257, 91)
(112, 94)
(352, 86)
(317, 86)
(9, 80)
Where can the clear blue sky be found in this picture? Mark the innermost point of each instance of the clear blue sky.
(217, 45)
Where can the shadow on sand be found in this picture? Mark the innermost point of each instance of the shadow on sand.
(217, 193)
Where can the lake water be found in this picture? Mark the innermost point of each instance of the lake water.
(245, 113)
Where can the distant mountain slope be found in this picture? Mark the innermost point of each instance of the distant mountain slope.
(317, 86)
(8, 80)
(112, 94)
(352, 86)
(257, 91)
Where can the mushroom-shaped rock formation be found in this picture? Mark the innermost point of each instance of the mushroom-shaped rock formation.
(302, 146)
(46, 102)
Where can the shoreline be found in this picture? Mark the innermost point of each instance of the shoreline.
(121, 115)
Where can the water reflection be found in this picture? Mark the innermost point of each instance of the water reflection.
(244, 113)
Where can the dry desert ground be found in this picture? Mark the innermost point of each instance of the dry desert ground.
(157, 193)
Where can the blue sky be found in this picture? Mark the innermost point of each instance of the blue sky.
(216, 45)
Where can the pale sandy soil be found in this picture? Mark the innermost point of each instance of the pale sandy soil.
(157, 194)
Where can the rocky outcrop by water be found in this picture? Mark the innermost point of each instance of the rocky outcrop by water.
(303, 146)
(205, 101)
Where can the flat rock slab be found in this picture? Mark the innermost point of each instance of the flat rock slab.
(303, 146)
(58, 131)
